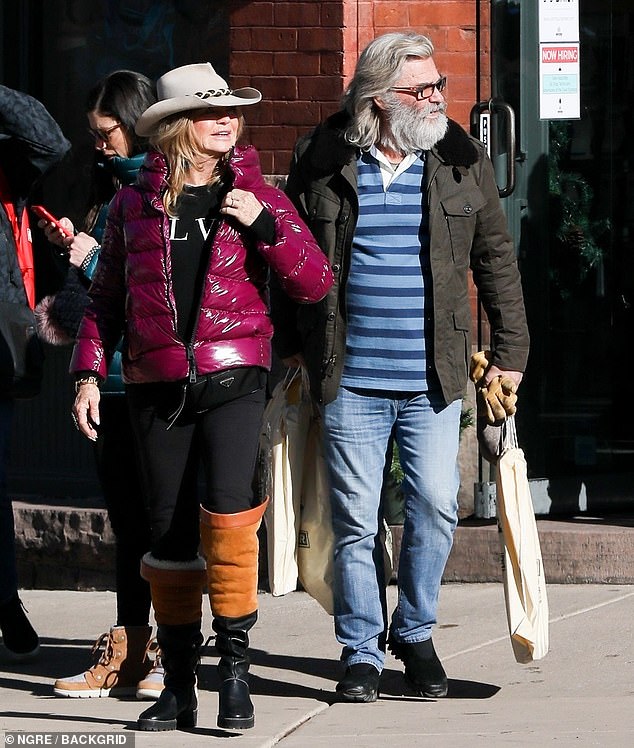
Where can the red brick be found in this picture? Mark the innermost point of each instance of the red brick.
(365, 15)
(264, 113)
(296, 63)
(266, 160)
(461, 40)
(297, 14)
(365, 36)
(270, 138)
(332, 14)
(274, 40)
(461, 88)
(328, 39)
(328, 109)
(461, 112)
(240, 39)
(447, 13)
(250, 63)
(304, 113)
(282, 160)
(252, 14)
(319, 88)
(277, 88)
(394, 14)
(331, 63)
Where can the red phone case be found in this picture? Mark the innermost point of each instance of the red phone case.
(41, 212)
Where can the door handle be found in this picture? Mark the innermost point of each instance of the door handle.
(497, 106)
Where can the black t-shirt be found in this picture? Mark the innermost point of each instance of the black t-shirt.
(197, 209)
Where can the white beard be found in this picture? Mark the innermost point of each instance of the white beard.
(410, 129)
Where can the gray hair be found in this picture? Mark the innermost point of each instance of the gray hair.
(377, 70)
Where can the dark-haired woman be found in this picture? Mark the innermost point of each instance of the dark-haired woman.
(122, 665)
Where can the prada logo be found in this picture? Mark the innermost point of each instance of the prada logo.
(226, 382)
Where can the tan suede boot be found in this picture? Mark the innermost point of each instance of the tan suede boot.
(230, 544)
(152, 685)
(121, 665)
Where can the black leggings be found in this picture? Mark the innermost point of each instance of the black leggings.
(223, 440)
(117, 468)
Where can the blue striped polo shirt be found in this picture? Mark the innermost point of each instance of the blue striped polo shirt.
(389, 283)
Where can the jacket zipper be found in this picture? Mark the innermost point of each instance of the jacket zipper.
(192, 369)
(191, 359)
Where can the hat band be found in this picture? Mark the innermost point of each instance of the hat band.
(213, 93)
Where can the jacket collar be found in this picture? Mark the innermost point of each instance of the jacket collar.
(244, 166)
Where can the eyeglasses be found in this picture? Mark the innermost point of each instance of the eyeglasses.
(425, 91)
(103, 134)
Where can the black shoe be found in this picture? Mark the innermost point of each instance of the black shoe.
(423, 670)
(19, 638)
(360, 683)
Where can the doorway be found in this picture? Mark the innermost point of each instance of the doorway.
(572, 217)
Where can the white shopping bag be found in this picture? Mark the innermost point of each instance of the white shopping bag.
(283, 440)
(524, 580)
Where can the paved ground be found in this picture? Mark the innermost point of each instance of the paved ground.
(581, 694)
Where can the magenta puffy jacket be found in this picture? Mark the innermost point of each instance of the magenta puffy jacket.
(132, 292)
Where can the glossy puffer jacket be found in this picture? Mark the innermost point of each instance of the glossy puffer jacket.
(132, 289)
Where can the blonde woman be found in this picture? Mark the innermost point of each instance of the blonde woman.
(183, 275)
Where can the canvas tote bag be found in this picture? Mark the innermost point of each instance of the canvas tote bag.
(315, 544)
(524, 580)
(286, 421)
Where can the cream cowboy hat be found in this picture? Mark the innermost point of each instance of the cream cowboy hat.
(189, 87)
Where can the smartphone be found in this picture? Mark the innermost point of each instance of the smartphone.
(41, 212)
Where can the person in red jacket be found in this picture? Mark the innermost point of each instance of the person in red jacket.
(183, 276)
(31, 144)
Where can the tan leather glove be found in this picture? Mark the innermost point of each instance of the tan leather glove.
(480, 362)
(499, 399)
(496, 400)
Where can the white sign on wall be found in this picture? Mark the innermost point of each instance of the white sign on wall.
(559, 81)
(559, 69)
(558, 20)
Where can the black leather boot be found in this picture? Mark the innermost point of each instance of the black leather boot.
(423, 670)
(20, 642)
(177, 706)
(235, 709)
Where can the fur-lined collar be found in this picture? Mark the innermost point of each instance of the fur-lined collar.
(455, 149)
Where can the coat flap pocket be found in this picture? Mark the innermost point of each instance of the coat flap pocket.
(462, 319)
(463, 204)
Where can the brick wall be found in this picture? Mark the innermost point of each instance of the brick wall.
(301, 53)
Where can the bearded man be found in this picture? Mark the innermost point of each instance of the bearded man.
(403, 202)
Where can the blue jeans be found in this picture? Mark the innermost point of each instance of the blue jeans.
(8, 571)
(357, 429)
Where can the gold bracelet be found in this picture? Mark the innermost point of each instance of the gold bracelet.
(85, 380)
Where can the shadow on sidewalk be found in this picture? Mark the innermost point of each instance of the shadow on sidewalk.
(62, 657)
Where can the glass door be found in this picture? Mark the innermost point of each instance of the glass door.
(572, 216)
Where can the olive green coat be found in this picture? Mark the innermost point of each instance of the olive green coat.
(467, 231)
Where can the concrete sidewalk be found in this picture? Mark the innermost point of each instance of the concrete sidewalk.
(581, 694)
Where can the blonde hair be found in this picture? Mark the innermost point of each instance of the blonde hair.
(176, 139)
